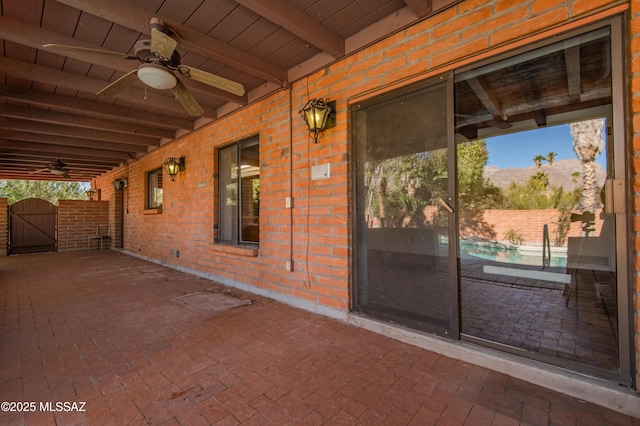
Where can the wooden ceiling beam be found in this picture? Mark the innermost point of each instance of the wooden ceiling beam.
(75, 132)
(492, 104)
(70, 141)
(39, 166)
(25, 155)
(540, 117)
(91, 85)
(83, 105)
(421, 8)
(35, 37)
(34, 158)
(39, 174)
(59, 151)
(485, 97)
(572, 64)
(26, 176)
(531, 92)
(127, 14)
(299, 23)
(44, 116)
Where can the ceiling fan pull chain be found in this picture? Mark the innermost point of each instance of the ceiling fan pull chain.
(145, 91)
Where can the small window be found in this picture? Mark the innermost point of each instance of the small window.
(239, 193)
(154, 189)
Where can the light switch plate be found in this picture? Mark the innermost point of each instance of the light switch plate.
(322, 171)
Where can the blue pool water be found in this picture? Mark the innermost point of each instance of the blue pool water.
(497, 252)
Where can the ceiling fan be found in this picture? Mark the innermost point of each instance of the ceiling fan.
(57, 168)
(159, 61)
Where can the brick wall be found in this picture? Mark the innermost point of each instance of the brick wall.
(315, 234)
(4, 226)
(77, 220)
(526, 223)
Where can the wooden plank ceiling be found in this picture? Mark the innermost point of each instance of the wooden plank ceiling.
(49, 107)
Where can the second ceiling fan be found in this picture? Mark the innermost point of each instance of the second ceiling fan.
(57, 168)
(159, 62)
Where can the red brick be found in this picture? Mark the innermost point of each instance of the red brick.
(529, 26)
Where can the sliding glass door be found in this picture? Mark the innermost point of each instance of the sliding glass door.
(537, 174)
(405, 270)
(490, 205)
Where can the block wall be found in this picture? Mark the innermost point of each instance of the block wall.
(4, 226)
(77, 219)
(528, 224)
(315, 234)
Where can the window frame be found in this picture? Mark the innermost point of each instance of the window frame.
(235, 219)
(150, 199)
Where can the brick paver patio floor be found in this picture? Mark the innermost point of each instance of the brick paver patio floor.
(105, 332)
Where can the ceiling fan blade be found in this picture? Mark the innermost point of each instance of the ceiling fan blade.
(39, 171)
(63, 48)
(212, 80)
(162, 44)
(188, 102)
(117, 86)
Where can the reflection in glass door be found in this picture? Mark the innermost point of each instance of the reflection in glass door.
(536, 223)
(404, 271)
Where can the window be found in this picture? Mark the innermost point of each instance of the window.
(154, 189)
(239, 193)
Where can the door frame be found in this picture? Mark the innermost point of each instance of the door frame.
(451, 332)
(620, 139)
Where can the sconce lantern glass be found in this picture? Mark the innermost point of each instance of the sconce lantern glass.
(319, 115)
(90, 193)
(119, 184)
(173, 166)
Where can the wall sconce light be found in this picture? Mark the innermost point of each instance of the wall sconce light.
(319, 115)
(173, 166)
(119, 184)
(90, 193)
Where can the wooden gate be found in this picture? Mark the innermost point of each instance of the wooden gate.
(32, 226)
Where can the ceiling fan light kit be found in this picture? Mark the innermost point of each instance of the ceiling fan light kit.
(58, 172)
(156, 77)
